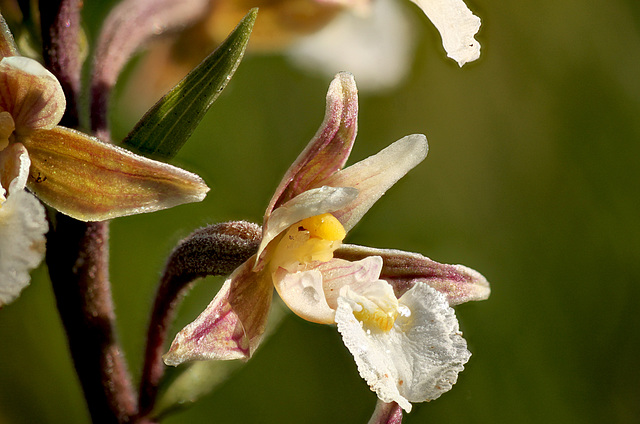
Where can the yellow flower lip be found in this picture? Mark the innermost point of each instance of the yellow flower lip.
(383, 319)
(325, 227)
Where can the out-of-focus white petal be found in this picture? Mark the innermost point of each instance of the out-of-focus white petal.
(376, 47)
(307, 204)
(457, 26)
(418, 359)
(22, 228)
(376, 174)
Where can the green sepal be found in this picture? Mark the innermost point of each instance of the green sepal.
(165, 128)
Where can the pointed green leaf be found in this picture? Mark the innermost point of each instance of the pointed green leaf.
(169, 123)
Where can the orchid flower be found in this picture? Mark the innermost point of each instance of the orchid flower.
(408, 348)
(70, 171)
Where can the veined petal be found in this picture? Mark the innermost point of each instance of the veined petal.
(404, 269)
(7, 44)
(329, 149)
(14, 168)
(307, 204)
(418, 359)
(303, 293)
(457, 26)
(232, 325)
(312, 294)
(31, 94)
(89, 180)
(376, 174)
(22, 228)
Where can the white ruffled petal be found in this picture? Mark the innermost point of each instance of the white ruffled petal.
(22, 242)
(457, 26)
(418, 359)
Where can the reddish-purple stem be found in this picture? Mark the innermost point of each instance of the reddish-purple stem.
(77, 252)
(215, 250)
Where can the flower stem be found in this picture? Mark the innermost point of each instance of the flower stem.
(77, 257)
(60, 27)
(78, 252)
(214, 250)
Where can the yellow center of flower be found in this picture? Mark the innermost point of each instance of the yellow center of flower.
(383, 319)
(309, 240)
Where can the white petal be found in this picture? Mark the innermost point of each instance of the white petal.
(376, 47)
(338, 273)
(310, 203)
(22, 242)
(457, 26)
(312, 293)
(376, 174)
(303, 293)
(418, 359)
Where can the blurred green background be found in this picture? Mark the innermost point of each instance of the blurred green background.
(532, 179)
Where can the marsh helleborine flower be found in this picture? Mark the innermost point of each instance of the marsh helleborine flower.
(70, 171)
(392, 308)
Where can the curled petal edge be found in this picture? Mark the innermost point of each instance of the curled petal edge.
(403, 270)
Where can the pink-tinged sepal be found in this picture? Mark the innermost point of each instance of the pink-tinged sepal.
(233, 324)
(7, 44)
(31, 94)
(376, 174)
(386, 413)
(403, 270)
(329, 150)
(89, 180)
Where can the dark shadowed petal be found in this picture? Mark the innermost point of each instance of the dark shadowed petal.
(232, 325)
(329, 150)
(31, 94)
(404, 269)
(376, 174)
(92, 181)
